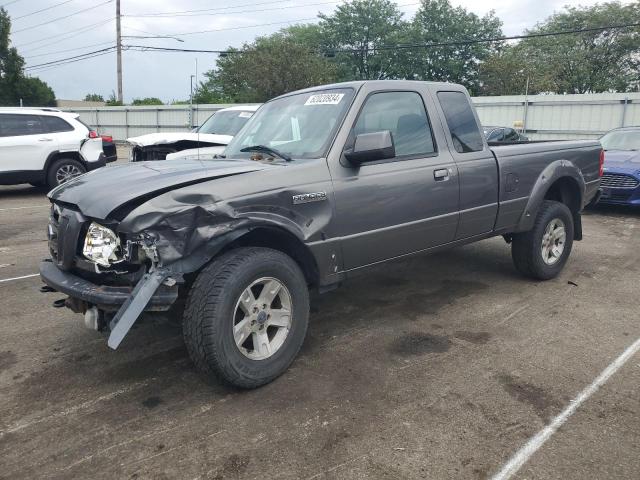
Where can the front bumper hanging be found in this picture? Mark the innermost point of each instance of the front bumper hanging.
(107, 298)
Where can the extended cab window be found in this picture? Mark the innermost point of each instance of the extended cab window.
(461, 122)
(404, 115)
(55, 124)
(12, 125)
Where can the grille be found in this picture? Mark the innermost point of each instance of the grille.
(618, 180)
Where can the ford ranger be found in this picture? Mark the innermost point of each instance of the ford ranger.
(319, 185)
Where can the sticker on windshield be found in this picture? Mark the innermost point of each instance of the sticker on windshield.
(245, 114)
(324, 99)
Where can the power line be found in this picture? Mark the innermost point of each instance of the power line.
(244, 26)
(62, 18)
(352, 50)
(179, 13)
(199, 14)
(9, 3)
(74, 33)
(415, 45)
(488, 40)
(68, 50)
(45, 68)
(42, 10)
(76, 57)
(144, 48)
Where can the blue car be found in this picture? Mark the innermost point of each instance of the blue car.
(621, 179)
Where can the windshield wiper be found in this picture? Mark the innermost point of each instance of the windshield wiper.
(265, 149)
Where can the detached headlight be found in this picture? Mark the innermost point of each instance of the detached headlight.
(101, 245)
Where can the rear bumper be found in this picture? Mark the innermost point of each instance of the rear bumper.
(101, 162)
(107, 298)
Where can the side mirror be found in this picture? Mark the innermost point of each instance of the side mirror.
(369, 147)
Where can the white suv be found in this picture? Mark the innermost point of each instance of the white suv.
(45, 146)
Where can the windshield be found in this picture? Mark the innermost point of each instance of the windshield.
(300, 126)
(225, 123)
(621, 140)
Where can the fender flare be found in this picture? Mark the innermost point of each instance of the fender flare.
(553, 172)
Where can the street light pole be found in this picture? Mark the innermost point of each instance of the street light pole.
(119, 51)
(191, 104)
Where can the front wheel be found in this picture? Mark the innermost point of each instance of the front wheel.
(246, 316)
(542, 252)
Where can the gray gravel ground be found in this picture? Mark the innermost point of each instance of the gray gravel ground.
(435, 367)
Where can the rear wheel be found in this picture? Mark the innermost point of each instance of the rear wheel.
(63, 170)
(542, 252)
(246, 316)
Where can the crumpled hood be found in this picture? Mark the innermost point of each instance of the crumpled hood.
(173, 137)
(100, 192)
(622, 161)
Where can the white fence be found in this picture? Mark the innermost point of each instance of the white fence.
(549, 117)
(125, 122)
(545, 117)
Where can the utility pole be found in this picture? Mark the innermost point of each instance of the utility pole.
(119, 51)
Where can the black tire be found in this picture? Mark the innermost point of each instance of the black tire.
(211, 309)
(526, 249)
(53, 174)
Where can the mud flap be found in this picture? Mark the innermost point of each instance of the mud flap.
(134, 306)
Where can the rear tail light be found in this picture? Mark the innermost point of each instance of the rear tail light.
(107, 138)
(601, 163)
(93, 134)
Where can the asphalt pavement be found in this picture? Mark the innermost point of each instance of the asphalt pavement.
(435, 367)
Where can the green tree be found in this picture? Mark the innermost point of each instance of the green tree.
(93, 97)
(595, 61)
(360, 27)
(14, 84)
(147, 101)
(210, 90)
(113, 101)
(266, 68)
(437, 21)
(508, 72)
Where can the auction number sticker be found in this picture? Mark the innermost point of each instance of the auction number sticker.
(324, 99)
(245, 114)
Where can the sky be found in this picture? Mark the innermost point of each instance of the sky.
(74, 27)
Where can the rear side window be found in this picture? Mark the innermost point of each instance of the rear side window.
(461, 122)
(56, 124)
(403, 114)
(12, 125)
(511, 135)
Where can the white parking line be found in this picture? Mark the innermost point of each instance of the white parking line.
(524, 454)
(18, 278)
(21, 208)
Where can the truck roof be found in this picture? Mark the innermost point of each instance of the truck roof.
(382, 84)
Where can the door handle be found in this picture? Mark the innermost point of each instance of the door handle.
(441, 175)
(45, 139)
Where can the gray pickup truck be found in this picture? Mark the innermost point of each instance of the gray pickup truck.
(319, 185)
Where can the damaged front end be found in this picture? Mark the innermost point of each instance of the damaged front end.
(134, 259)
(105, 274)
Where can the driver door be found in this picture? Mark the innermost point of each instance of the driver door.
(394, 207)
